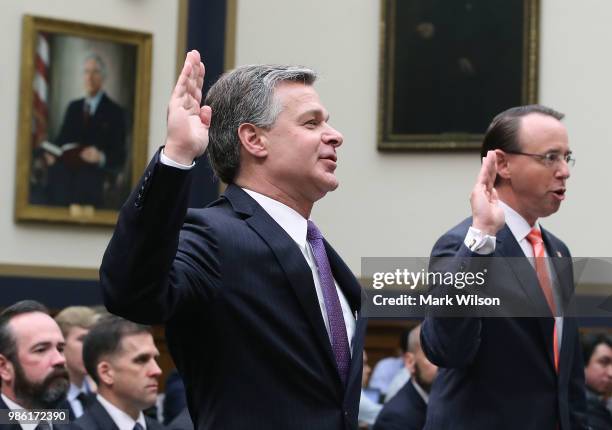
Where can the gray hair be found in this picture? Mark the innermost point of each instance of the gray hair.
(245, 95)
(99, 61)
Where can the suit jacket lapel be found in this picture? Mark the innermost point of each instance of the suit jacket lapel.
(508, 247)
(290, 259)
(345, 279)
(100, 417)
(562, 265)
(8, 426)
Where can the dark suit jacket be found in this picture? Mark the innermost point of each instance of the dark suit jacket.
(106, 130)
(181, 422)
(405, 411)
(174, 399)
(96, 418)
(499, 372)
(242, 318)
(599, 416)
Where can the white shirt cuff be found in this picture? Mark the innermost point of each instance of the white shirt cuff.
(479, 242)
(169, 162)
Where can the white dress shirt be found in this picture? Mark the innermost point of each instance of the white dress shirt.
(296, 225)
(75, 403)
(399, 380)
(122, 420)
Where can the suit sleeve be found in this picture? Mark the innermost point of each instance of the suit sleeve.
(158, 262)
(450, 342)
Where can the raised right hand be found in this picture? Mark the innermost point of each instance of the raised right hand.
(188, 123)
(487, 214)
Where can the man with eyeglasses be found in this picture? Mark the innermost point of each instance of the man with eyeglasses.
(511, 373)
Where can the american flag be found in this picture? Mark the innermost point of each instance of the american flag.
(41, 87)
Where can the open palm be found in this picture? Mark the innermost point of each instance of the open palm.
(487, 214)
(188, 123)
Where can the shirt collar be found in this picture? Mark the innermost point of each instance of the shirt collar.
(518, 225)
(94, 101)
(292, 222)
(74, 391)
(122, 420)
(420, 390)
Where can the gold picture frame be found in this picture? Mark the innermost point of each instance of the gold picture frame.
(83, 120)
(447, 68)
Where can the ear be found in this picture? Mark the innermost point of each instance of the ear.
(7, 371)
(409, 361)
(106, 373)
(253, 140)
(502, 164)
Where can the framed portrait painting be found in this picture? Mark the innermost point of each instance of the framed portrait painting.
(448, 67)
(83, 120)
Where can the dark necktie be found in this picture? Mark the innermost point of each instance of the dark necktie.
(84, 399)
(137, 426)
(86, 113)
(337, 327)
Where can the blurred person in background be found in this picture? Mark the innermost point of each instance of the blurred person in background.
(75, 322)
(121, 358)
(407, 410)
(597, 353)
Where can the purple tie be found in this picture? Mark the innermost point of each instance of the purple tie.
(337, 328)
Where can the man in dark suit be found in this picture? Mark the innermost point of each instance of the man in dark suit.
(94, 126)
(407, 409)
(32, 365)
(511, 373)
(262, 315)
(121, 358)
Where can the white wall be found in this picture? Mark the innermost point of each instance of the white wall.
(398, 204)
(58, 245)
(387, 204)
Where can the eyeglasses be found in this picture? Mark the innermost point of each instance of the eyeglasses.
(550, 159)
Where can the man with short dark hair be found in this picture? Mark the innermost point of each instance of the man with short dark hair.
(251, 274)
(121, 357)
(508, 372)
(597, 353)
(407, 409)
(32, 364)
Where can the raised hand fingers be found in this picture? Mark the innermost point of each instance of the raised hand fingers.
(191, 77)
(488, 170)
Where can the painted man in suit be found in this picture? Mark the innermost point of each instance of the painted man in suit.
(96, 124)
(262, 315)
(32, 365)
(408, 408)
(510, 373)
(121, 358)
